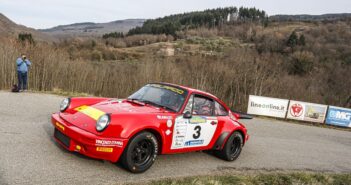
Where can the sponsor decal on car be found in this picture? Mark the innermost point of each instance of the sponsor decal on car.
(104, 149)
(100, 142)
(195, 132)
(194, 142)
(198, 119)
(169, 123)
(176, 90)
(164, 117)
(168, 132)
(60, 126)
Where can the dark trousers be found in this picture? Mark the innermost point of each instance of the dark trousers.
(22, 80)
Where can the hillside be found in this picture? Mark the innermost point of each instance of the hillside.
(89, 29)
(306, 17)
(9, 28)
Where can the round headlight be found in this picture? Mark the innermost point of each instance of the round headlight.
(102, 122)
(64, 104)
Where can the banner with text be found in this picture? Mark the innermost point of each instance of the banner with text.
(306, 111)
(265, 106)
(339, 116)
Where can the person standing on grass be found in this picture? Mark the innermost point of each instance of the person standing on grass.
(23, 65)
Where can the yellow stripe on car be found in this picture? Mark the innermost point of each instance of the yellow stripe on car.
(90, 111)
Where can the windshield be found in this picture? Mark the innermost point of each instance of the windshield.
(160, 95)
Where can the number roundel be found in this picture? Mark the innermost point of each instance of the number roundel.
(197, 134)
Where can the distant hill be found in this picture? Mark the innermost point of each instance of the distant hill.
(305, 17)
(88, 29)
(9, 28)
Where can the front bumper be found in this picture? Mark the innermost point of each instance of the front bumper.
(75, 139)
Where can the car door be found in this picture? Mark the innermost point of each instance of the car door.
(195, 132)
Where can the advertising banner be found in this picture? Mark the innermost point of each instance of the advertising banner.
(265, 106)
(306, 111)
(339, 116)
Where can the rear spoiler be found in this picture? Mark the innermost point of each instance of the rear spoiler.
(241, 115)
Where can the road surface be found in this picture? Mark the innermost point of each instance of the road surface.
(29, 155)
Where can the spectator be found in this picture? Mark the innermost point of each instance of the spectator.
(22, 72)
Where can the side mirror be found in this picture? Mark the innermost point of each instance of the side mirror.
(187, 115)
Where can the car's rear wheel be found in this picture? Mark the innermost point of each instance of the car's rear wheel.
(232, 147)
(140, 153)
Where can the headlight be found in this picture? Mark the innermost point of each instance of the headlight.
(102, 122)
(64, 104)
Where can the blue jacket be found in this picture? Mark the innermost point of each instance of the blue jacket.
(23, 65)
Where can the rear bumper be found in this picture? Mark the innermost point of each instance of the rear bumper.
(75, 139)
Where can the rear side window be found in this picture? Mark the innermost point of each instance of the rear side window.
(202, 106)
(220, 110)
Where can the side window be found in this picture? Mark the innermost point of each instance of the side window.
(189, 105)
(220, 110)
(203, 106)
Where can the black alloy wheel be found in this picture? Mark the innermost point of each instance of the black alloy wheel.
(140, 153)
(232, 148)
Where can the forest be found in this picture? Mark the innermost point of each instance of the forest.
(169, 25)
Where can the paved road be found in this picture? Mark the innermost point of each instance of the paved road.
(28, 154)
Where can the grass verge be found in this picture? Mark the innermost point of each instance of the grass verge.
(297, 178)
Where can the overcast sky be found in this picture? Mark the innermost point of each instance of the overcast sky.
(49, 13)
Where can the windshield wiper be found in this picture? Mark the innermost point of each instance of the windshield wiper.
(158, 105)
(136, 101)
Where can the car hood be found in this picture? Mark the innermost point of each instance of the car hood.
(85, 117)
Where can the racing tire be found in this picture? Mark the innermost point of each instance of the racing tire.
(140, 153)
(232, 147)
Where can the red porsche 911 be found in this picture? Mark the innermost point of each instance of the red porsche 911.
(159, 118)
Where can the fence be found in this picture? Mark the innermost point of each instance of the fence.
(297, 110)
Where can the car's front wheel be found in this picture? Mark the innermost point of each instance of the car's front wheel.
(232, 147)
(140, 153)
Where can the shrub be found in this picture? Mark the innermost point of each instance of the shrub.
(301, 62)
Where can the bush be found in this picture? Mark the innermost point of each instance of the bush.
(96, 56)
(301, 62)
(26, 37)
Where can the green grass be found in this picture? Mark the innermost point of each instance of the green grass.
(300, 178)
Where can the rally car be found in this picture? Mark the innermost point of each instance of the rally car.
(159, 118)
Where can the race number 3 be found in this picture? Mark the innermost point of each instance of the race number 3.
(197, 134)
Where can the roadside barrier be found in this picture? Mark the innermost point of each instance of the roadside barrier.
(265, 106)
(338, 116)
(297, 110)
(307, 111)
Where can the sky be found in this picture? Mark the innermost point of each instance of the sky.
(49, 13)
